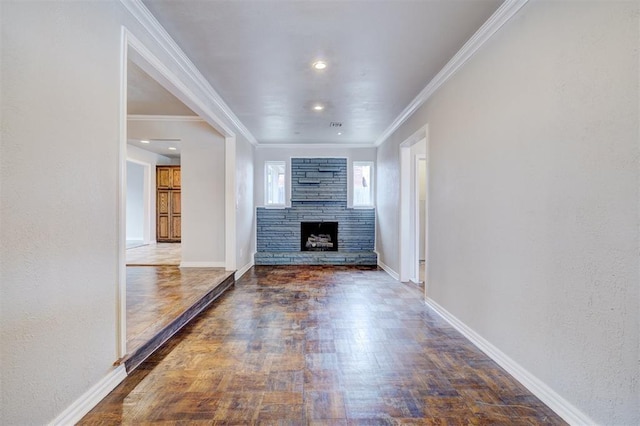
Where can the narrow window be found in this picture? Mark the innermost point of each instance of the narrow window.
(362, 183)
(274, 183)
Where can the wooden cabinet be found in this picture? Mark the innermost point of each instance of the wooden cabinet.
(168, 210)
(168, 177)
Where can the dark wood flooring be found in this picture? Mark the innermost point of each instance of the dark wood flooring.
(163, 299)
(319, 345)
(157, 295)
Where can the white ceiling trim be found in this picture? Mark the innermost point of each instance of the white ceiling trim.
(136, 117)
(505, 12)
(314, 145)
(160, 35)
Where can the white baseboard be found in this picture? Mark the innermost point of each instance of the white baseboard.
(202, 264)
(552, 399)
(388, 270)
(76, 411)
(240, 272)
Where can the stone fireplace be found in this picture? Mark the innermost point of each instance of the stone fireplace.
(336, 234)
(319, 236)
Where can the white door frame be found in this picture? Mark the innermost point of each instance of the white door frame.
(407, 242)
(416, 216)
(138, 52)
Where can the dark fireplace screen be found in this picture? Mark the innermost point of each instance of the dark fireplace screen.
(319, 236)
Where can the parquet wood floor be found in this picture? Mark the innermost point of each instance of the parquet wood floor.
(157, 295)
(318, 345)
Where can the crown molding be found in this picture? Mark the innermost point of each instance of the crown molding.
(137, 117)
(313, 145)
(501, 16)
(165, 74)
(140, 12)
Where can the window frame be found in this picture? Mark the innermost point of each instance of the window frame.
(267, 164)
(355, 164)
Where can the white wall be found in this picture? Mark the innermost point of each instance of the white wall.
(59, 173)
(135, 202)
(59, 169)
(533, 197)
(245, 209)
(265, 153)
(203, 221)
(203, 176)
(387, 204)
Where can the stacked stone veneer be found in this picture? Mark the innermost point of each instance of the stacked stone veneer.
(318, 193)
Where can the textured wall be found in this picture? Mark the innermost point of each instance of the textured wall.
(245, 211)
(59, 174)
(203, 195)
(533, 197)
(59, 168)
(388, 204)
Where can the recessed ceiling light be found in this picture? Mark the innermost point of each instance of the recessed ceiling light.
(319, 65)
(339, 133)
(144, 141)
(318, 107)
(172, 148)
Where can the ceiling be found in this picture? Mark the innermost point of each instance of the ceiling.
(258, 56)
(168, 147)
(145, 96)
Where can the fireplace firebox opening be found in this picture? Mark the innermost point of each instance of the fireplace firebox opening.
(319, 236)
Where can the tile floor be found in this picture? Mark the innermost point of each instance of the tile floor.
(155, 254)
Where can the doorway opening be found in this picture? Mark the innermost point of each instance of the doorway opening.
(413, 243)
(137, 60)
(420, 217)
(144, 260)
